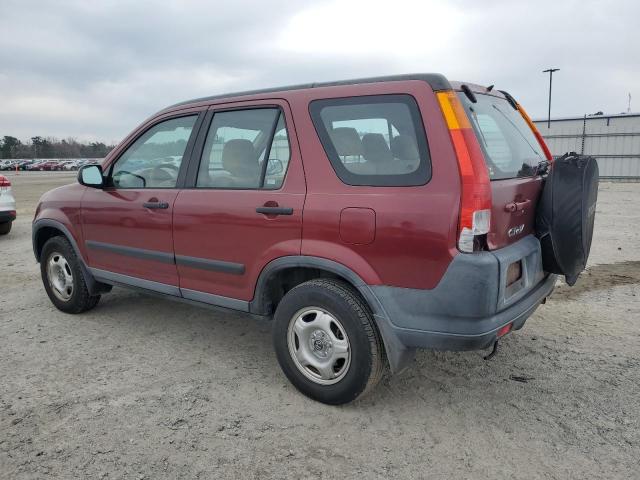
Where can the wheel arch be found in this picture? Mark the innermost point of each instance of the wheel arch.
(45, 229)
(308, 267)
(297, 269)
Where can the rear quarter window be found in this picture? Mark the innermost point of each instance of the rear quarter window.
(374, 140)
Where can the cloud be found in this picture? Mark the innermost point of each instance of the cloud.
(94, 70)
(372, 28)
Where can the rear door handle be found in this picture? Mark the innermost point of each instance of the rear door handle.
(275, 210)
(156, 205)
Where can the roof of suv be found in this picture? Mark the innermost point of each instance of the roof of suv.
(437, 81)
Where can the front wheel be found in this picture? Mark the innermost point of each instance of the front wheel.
(62, 277)
(327, 342)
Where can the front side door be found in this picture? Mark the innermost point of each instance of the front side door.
(242, 204)
(127, 225)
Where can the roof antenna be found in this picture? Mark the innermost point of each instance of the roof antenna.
(489, 88)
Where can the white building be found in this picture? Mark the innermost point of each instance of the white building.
(613, 139)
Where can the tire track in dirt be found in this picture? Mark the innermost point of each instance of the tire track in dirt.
(600, 277)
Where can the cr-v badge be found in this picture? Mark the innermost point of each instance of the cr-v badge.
(516, 230)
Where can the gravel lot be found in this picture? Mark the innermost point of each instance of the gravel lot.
(148, 388)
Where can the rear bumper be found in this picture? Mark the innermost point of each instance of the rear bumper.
(468, 306)
(474, 333)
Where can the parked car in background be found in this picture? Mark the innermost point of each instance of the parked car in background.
(50, 166)
(21, 164)
(7, 206)
(24, 164)
(46, 164)
(70, 165)
(367, 218)
(62, 164)
(8, 165)
(35, 165)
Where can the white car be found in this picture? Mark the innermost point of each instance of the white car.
(6, 164)
(68, 166)
(7, 206)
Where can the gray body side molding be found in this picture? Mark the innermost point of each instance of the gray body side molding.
(140, 253)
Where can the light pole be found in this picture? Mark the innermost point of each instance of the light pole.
(550, 70)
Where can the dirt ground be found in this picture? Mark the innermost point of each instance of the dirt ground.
(147, 388)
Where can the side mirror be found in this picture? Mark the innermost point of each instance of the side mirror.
(91, 176)
(274, 167)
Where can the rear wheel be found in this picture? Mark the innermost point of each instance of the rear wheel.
(326, 341)
(5, 228)
(62, 277)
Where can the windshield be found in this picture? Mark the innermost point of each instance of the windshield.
(510, 148)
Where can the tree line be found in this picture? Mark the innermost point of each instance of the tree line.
(50, 147)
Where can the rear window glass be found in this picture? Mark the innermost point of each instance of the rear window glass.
(374, 140)
(510, 148)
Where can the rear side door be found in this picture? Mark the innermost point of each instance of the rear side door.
(127, 225)
(242, 204)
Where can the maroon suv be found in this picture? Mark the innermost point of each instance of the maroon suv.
(369, 218)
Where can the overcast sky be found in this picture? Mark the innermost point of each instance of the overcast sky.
(93, 70)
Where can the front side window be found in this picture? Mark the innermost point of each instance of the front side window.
(374, 140)
(278, 160)
(154, 159)
(245, 149)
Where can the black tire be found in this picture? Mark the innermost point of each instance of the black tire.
(79, 300)
(339, 299)
(5, 228)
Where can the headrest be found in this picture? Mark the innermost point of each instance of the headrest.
(346, 141)
(375, 148)
(239, 157)
(404, 147)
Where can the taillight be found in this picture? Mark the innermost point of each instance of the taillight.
(504, 330)
(475, 201)
(4, 181)
(535, 131)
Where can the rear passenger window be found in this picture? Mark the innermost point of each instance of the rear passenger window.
(374, 140)
(245, 149)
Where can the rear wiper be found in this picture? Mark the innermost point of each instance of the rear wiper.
(470, 95)
(510, 99)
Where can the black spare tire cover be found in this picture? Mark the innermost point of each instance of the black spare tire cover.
(565, 215)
